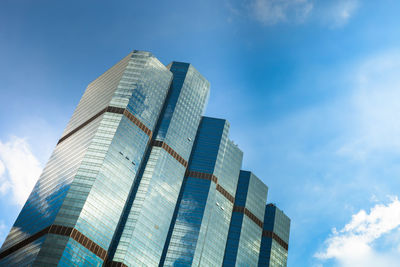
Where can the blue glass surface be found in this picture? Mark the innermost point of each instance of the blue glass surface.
(272, 254)
(145, 229)
(196, 202)
(87, 180)
(111, 180)
(244, 240)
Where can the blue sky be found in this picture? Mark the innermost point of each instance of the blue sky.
(311, 89)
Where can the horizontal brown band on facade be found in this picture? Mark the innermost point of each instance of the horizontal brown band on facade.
(114, 264)
(138, 123)
(225, 193)
(274, 236)
(82, 125)
(24, 242)
(202, 175)
(60, 230)
(211, 177)
(80, 238)
(115, 110)
(170, 151)
(248, 214)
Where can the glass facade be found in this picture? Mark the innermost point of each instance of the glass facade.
(146, 227)
(275, 240)
(198, 231)
(245, 231)
(140, 178)
(217, 229)
(86, 182)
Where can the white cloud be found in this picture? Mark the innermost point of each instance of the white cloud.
(375, 122)
(339, 12)
(274, 11)
(271, 12)
(21, 169)
(2, 168)
(354, 244)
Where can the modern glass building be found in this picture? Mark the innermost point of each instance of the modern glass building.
(140, 178)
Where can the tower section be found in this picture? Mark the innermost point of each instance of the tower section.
(201, 207)
(148, 214)
(72, 213)
(275, 238)
(213, 242)
(245, 231)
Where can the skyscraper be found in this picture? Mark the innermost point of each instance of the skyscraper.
(139, 178)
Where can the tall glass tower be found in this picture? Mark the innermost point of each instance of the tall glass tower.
(140, 178)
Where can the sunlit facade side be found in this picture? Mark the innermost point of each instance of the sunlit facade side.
(153, 201)
(84, 186)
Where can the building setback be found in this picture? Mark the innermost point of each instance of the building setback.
(275, 238)
(140, 178)
(245, 231)
(200, 228)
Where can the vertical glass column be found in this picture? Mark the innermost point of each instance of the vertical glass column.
(275, 238)
(213, 242)
(148, 215)
(245, 231)
(195, 203)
